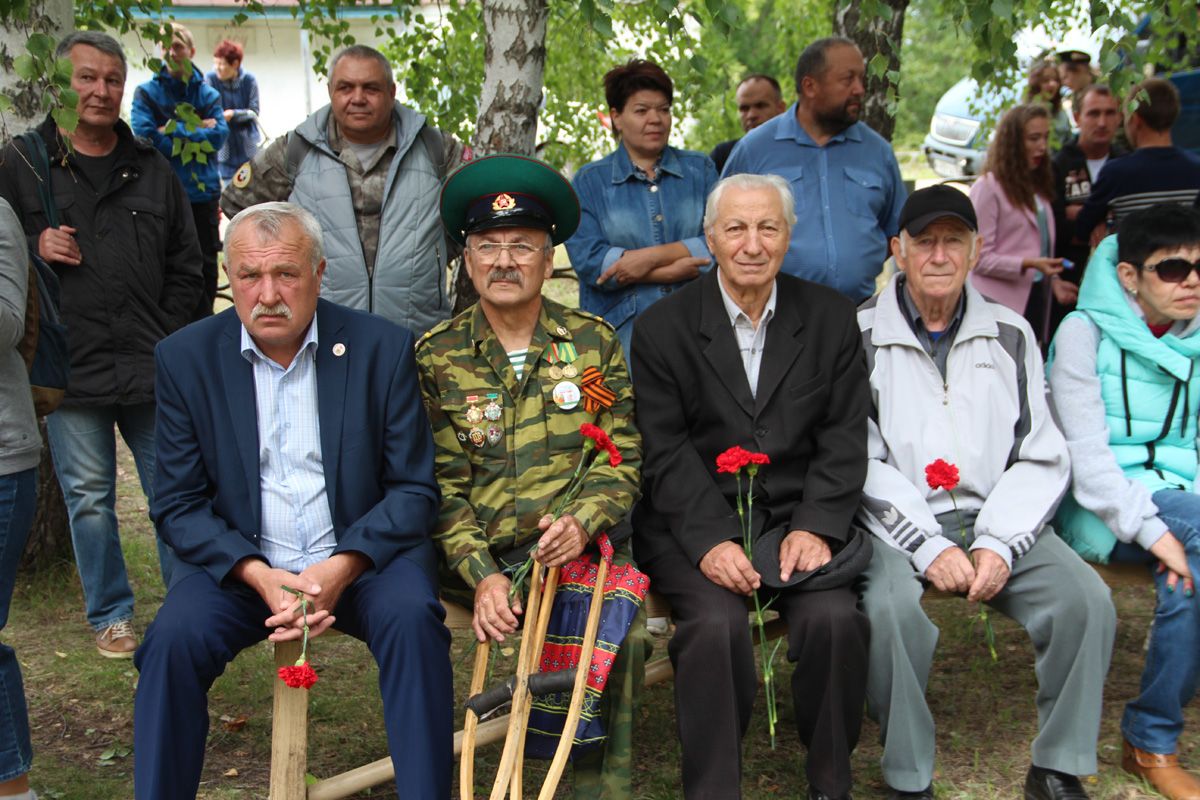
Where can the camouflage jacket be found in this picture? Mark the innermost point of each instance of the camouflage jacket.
(494, 492)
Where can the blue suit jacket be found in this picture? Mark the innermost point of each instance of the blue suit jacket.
(376, 444)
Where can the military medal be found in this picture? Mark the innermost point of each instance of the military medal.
(566, 396)
(569, 371)
(492, 411)
(556, 373)
(477, 437)
(494, 434)
(474, 412)
(462, 437)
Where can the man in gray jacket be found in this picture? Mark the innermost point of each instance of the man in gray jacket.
(965, 468)
(370, 169)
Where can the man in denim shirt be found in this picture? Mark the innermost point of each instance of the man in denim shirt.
(641, 233)
(844, 176)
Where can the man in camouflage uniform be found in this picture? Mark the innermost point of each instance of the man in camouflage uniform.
(507, 384)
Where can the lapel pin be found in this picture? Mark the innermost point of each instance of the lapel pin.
(339, 349)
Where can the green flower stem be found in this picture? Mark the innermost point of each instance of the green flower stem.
(304, 612)
(989, 635)
(746, 522)
(574, 487)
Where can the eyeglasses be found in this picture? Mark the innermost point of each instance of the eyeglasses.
(522, 253)
(1173, 270)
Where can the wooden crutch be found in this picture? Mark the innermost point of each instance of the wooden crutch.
(466, 760)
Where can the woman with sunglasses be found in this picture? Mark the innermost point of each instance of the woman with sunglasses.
(1013, 202)
(1125, 384)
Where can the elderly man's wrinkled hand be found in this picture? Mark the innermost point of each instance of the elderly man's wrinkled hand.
(495, 613)
(563, 540)
(58, 246)
(951, 571)
(991, 574)
(802, 551)
(727, 566)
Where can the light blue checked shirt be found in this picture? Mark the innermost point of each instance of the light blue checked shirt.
(297, 526)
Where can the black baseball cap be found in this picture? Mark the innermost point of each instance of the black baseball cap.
(926, 206)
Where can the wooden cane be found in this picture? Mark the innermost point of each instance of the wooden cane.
(554, 774)
(520, 690)
(541, 625)
(466, 762)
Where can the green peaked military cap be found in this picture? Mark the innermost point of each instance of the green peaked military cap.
(508, 191)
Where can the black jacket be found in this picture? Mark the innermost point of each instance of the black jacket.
(1073, 186)
(693, 402)
(140, 276)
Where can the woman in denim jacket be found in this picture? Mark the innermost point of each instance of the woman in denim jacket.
(642, 230)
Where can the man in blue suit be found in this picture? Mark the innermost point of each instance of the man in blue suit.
(293, 451)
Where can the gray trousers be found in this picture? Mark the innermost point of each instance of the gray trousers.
(1060, 601)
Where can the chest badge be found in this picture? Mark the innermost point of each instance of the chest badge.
(566, 395)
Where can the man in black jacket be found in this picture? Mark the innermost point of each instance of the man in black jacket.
(745, 356)
(126, 253)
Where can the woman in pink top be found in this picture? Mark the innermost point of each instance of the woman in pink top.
(1012, 201)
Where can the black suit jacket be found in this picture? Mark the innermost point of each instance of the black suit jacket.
(694, 402)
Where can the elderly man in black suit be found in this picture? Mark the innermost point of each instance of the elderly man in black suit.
(746, 356)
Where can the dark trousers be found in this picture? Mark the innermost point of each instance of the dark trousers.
(202, 626)
(207, 217)
(716, 679)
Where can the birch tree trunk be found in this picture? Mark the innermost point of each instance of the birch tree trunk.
(49, 539)
(875, 35)
(514, 60)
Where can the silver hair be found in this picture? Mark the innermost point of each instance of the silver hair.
(268, 219)
(904, 238)
(101, 41)
(747, 180)
(363, 52)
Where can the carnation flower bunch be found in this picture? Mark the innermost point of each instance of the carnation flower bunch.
(732, 462)
(595, 440)
(941, 474)
(299, 675)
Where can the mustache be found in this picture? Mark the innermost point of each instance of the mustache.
(510, 275)
(280, 309)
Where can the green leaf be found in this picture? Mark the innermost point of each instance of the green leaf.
(206, 147)
(699, 63)
(877, 67)
(63, 68)
(240, 18)
(69, 98)
(66, 118)
(186, 156)
(202, 159)
(170, 127)
(40, 45)
(5, 103)
(176, 146)
(602, 24)
(24, 67)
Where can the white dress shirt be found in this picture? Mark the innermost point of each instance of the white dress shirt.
(297, 525)
(750, 339)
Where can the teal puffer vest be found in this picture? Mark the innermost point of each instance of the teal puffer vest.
(1151, 392)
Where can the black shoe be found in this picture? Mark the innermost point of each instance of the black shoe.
(817, 794)
(924, 794)
(1046, 784)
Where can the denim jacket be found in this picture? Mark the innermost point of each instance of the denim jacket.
(623, 210)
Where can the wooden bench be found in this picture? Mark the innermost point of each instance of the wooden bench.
(289, 730)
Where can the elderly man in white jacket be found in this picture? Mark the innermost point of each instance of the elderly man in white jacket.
(958, 378)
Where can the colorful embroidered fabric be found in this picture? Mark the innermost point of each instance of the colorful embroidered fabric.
(624, 590)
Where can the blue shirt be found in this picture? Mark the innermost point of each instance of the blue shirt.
(848, 199)
(297, 525)
(624, 210)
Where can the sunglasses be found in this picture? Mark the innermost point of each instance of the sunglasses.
(1173, 270)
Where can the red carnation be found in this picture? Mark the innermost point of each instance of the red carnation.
(759, 458)
(596, 434)
(732, 460)
(941, 474)
(614, 455)
(298, 676)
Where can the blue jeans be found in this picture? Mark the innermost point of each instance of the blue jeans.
(1154, 719)
(18, 492)
(84, 447)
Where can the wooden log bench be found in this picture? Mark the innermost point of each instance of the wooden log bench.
(289, 730)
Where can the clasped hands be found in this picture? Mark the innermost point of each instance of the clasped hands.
(495, 613)
(322, 585)
(981, 575)
(727, 566)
